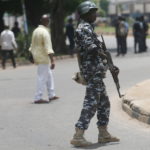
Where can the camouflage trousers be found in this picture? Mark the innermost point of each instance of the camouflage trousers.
(96, 99)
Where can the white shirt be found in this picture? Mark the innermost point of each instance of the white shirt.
(7, 40)
(41, 45)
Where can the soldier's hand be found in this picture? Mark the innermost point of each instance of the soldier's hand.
(116, 69)
(103, 55)
(103, 46)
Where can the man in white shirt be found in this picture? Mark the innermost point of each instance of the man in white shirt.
(8, 44)
(42, 52)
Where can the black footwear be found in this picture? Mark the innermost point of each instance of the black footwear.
(41, 101)
(53, 98)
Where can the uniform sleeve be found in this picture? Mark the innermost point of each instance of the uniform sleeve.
(86, 41)
(47, 43)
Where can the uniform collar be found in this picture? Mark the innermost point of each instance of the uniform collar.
(85, 22)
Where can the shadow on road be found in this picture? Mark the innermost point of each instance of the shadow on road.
(97, 145)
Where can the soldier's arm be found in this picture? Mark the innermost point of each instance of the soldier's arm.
(87, 42)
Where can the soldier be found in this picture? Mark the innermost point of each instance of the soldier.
(93, 66)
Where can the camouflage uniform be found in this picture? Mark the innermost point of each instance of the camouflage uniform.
(93, 68)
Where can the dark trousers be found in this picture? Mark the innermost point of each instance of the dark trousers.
(118, 49)
(121, 45)
(145, 46)
(7, 54)
(141, 44)
(136, 42)
(140, 40)
(96, 100)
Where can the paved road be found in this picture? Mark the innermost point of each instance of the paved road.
(26, 126)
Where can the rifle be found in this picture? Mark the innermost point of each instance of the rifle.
(113, 72)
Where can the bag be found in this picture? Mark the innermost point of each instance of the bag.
(122, 29)
(79, 78)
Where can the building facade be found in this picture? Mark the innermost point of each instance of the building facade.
(132, 8)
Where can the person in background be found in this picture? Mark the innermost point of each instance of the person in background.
(16, 30)
(140, 31)
(145, 32)
(42, 52)
(137, 33)
(70, 35)
(8, 45)
(121, 29)
(126, 33)
(117, 21)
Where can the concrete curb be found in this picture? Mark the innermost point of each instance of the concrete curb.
(135, 113)
(136, 102)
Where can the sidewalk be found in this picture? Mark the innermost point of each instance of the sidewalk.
(136, 101)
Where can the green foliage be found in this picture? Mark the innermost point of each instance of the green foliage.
(96, 2)
(130, 21)
(23, 42)
(71, 5)
(11, 6)
(102, 13)
(104, 5)
(104, 29)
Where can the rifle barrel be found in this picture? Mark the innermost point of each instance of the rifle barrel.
(110, 63)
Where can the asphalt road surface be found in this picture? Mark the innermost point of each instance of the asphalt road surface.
(28, 126)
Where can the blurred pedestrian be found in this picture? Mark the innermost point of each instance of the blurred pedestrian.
(137, 33)
(16, 30)
(126, 33)
(42, 52)
(145, 32)
(70, 35)
(121, 29)
(8, 45)
(140, 31)
(93, 66)
(117, 21)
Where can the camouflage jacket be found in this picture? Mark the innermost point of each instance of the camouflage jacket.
(89, 48)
